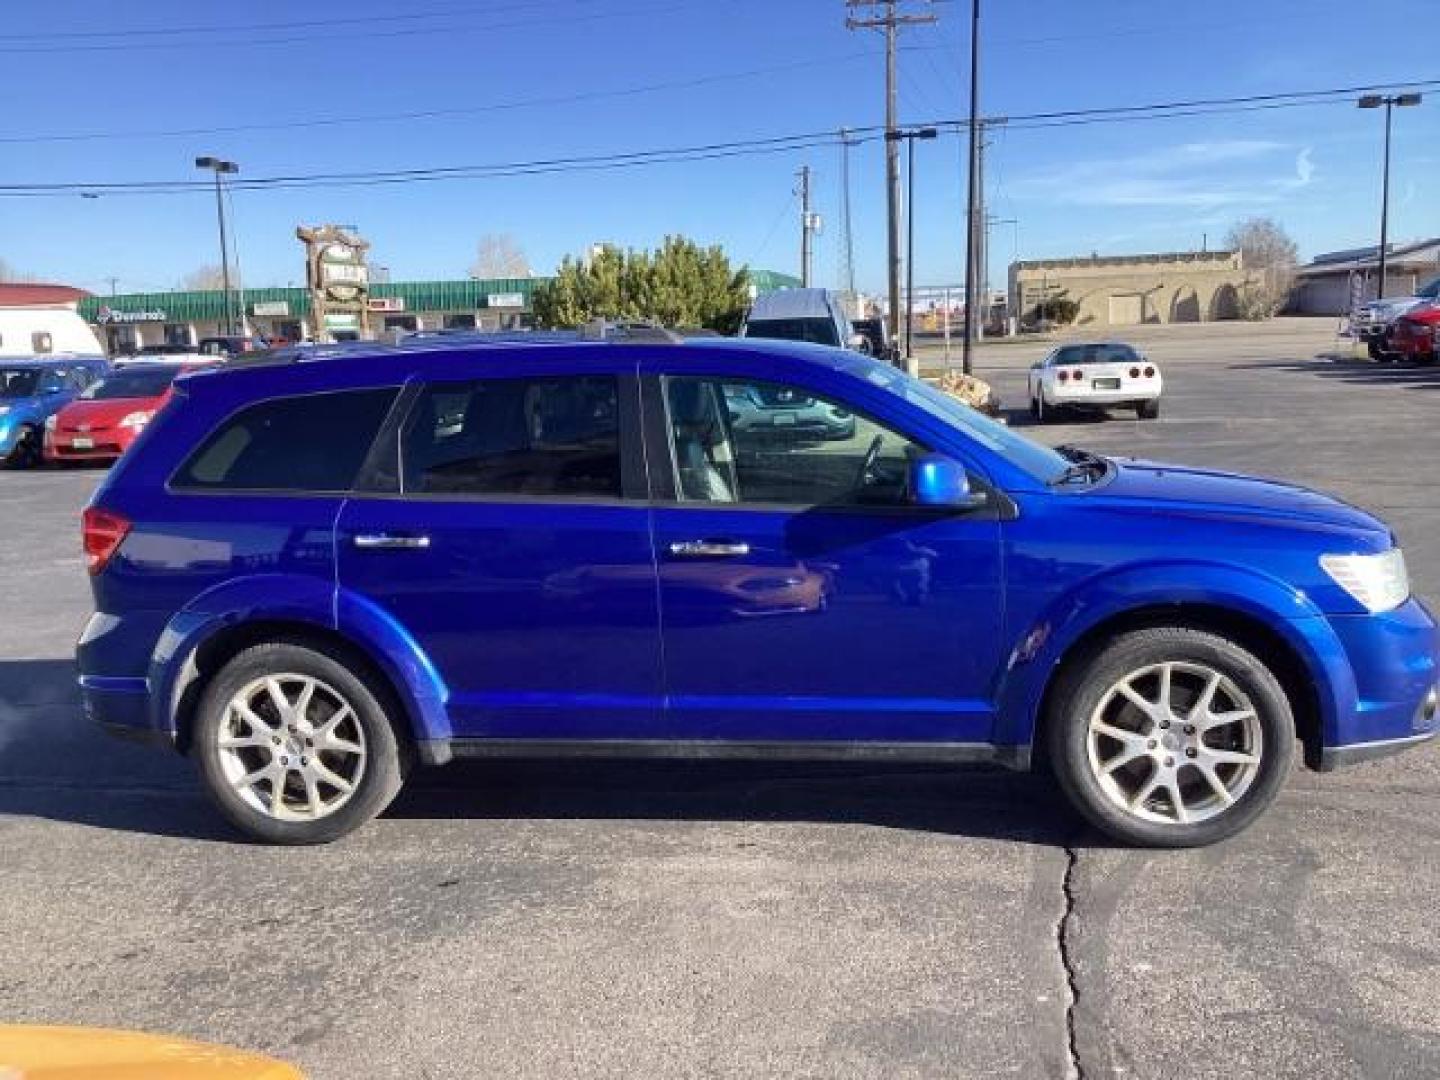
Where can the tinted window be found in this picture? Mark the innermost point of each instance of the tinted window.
(537, 437)
(816, 331)
(18, 382)
(142, 382)
(756, 442)
(1095, 354)
(312, 443)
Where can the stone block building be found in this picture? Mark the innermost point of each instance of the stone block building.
(1128, 290)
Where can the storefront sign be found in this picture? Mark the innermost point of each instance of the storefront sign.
(270, 309)
(386, 303)
(342, 321)
(108, 316)
(505, 299)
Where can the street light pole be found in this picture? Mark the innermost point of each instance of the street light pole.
(220, 167)
(1374, 101)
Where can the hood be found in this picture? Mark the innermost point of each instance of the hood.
(26, 407)
(1392, 306)
(103, 413)
(1427, 312)
(1180, 490)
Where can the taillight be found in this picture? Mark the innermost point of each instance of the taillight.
(1149, 373)
(1134, 373)
(1077, 374)
(104, 531)
(1062, 375)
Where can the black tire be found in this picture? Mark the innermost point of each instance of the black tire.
(387, 754)
(1148, 410)
(28, 452)
(1082, 688)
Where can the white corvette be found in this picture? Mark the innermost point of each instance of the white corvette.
(1095, 376)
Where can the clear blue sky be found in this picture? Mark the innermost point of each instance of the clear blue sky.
(1111, 188)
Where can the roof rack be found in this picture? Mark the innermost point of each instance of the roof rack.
(634, 332)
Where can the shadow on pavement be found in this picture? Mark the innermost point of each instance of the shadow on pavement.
(55, 765)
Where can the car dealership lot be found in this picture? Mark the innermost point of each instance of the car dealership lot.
(666, 919)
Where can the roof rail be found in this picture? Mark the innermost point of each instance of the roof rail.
(633, 332)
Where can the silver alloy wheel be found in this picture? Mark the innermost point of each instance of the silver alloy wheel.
(1176, 743)
(292, 747)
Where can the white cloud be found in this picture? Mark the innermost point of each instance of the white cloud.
(1191, 176)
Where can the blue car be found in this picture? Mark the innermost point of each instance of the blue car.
(33, 389)
(315, 570)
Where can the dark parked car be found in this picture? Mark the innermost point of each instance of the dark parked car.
(310, 573)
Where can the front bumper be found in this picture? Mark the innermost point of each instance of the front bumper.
(1394, 658)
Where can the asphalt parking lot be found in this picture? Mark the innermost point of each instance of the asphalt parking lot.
(682, 920)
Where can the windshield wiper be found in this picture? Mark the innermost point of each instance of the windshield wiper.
(1083, 465)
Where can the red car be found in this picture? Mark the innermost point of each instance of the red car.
(100, 423)
(1414, 334)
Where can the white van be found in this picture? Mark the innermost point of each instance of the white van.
(814, 315)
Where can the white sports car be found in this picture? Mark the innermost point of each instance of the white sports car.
(1095, 376)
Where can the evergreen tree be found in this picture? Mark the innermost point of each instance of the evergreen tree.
(681, 284)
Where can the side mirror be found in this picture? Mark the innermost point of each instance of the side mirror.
(939, 481)
(860, 343)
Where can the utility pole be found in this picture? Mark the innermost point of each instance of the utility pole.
(114, 282)
(1374, 101)
(847, 238)
(972, 221)
(809, 224)
(890, 21)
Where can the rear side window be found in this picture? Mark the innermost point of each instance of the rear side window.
(313, 443)
(541, 437)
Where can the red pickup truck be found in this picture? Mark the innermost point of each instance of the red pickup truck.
(1413, 335)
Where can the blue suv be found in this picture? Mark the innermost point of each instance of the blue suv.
(317, 569)
(32, 390)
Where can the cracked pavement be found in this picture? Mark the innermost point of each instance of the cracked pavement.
(613, 919)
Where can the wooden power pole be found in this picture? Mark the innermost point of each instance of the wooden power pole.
(887, 15)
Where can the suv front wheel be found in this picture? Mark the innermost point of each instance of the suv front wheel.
(294, 746)
(1170, 737)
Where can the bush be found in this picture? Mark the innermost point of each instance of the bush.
(1058, 310)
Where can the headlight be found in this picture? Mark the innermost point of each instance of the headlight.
(50, 422)
(4, 409)
(1378, 582)
(137, 419)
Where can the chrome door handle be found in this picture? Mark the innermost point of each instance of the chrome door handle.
(389, 542)
(709, 549)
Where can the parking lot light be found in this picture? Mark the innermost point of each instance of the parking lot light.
(1390, 101)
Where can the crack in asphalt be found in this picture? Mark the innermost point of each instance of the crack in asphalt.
(1062, 942)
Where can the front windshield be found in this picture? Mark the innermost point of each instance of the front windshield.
(1039, 461)
(135, 383)
(1430, 290)
(18, 382)
(815, 331)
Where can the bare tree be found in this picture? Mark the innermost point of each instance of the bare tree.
(9, 274)
(499, 256)
(202, 279)
(1268, 253)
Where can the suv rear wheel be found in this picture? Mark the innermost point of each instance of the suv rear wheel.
(1170, 737)
(294, 745)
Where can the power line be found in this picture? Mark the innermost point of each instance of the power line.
(432, 114)
(213, 30)
(710, 151)
(330, 39)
